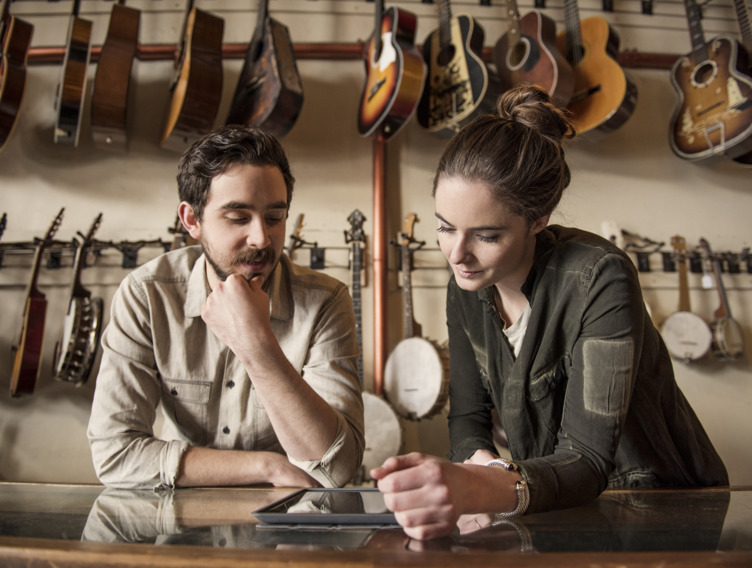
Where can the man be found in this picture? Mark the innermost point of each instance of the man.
(251, 358)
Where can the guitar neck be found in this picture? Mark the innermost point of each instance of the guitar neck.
(445, 23)
(357, 262)
(723, 310)
(745, 27)
(410, 327)
(379, 12)
(574, 35)
(696, 33)
(513, 13)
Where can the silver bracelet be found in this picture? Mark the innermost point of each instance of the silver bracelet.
(523, 491)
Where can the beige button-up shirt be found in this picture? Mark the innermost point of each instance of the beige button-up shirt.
(159, 353)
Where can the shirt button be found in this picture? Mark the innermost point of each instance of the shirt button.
(230, 384)
(226, 429)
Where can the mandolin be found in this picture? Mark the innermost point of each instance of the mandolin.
(82, 327)
(395, 73)
(269, 94)
(527, 53)
(745, 28)
(604, 96)
(72, 86)
(196, 90)
(728, 338)
(416, 375)
(713, 116)
(16, 39)
(112, 83)
(28, 350)
(686, 335)
(383, 431)
(458, 84)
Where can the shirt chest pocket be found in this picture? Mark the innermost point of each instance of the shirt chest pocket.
(545, 396)
(186, 404)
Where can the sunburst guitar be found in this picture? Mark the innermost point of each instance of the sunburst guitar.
(395, 73)
(16, 40)
(713, 116)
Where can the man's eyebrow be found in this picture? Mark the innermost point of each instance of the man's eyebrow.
(237, 205)
(481, 228)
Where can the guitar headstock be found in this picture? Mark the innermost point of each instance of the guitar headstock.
(296, 241)
(3, 222)
(355, 234)
(406, 235)
(93, 229)
(54, 226)
(679, 244)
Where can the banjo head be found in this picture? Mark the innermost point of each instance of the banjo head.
(416, 378)
(80, 340)
(686, 335)
(383, 432)
(728, 339)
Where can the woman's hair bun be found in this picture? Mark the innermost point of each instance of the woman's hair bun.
(532, 106)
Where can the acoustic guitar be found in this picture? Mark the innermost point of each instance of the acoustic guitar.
(383, 431)
(527, 53)
(112, 83)
(72, 86)
(16, 39)
(712, 119)
(745, 28)
(197, 87)
(458, 84)
(269, 94)
(82, 327)
(686, 335)
(728, 338)
(395, 73)
(416, 375)
(28, 350)
(604, 96)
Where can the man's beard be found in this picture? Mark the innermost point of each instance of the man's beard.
(250, 256)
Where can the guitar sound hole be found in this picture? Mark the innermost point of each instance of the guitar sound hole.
(704, 73)
(518, 54)
(446, 55)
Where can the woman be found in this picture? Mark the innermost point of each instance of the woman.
(548, 327)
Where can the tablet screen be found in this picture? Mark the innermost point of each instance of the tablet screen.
(330, 507)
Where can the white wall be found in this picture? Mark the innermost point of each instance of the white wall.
(630, 177)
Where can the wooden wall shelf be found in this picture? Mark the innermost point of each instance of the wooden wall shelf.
(332, 51)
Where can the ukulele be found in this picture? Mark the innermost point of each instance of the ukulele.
(109, 95)
(16, 40)
(77, 348)
(383, 431)
(395, 73)
(686, 335)
(197, 86)
(713, 115)
(745, 27)
(604, 96)
(728, 339)
(28, 350)
(458, 84)
(269, 94)
(72, 86)
(416, 375)
(527, 53)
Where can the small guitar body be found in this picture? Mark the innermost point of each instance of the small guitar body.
(604, 96)
(72, 87)
(745, 28)
(16, 40)
(395, 74)
(109, 97)
(197, 89)
(458, 85)
(527, 53)
(28, 350)
(269, 94)
(713, 115)
(77, 348)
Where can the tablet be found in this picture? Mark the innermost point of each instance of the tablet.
(364, 507)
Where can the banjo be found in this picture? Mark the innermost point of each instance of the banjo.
(686, 335)
(728, 339)
(383, 431)
(75, 352)
(416, 376)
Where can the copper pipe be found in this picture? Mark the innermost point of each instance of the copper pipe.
(379, 264)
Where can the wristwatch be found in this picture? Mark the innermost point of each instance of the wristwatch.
(523, 492)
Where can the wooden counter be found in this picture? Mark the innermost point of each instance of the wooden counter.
(45, 525)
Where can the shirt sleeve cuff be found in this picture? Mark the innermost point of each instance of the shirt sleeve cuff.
(334, 468)
(169, 463)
